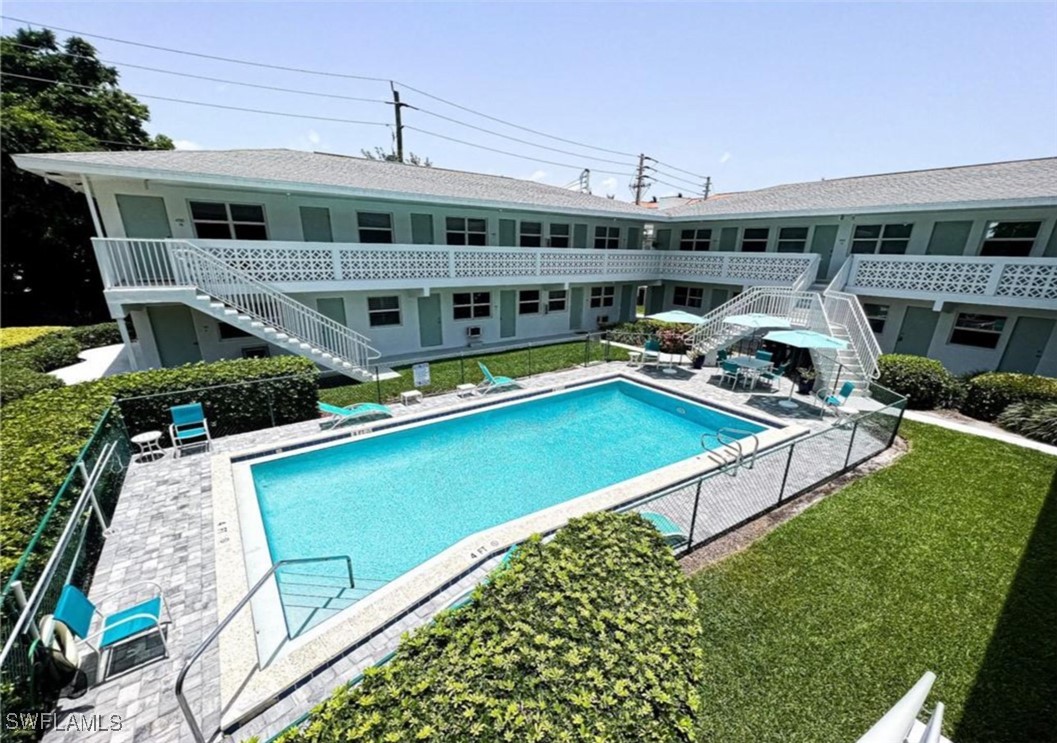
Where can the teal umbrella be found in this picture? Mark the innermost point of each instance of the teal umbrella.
(677, 316)
(805, 339)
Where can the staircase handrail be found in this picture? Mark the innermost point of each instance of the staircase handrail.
(849, 309)
(248, 295)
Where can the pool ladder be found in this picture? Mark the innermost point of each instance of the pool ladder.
(729, 440)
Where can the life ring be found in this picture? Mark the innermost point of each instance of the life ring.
(60, 642)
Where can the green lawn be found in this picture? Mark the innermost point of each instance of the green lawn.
(446, 374)
(946, 561)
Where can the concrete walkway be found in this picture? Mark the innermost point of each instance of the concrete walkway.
(97, 363)
(977, 428)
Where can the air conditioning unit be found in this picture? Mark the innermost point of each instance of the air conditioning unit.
(473, 331)
(603, 320)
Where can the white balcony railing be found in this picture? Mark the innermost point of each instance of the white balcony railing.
(1017, 282)
(293, 266)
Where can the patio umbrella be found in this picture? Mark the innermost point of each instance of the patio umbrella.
(805, 339)
(757, 320)
(677, 316)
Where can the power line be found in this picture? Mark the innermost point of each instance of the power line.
(505, 152)
(668, 165)
(208, 79)
(201, 55)
(695, 184)
(201, 103)
(681, 189)
(516, 126)
(324, 73)
(522, 141)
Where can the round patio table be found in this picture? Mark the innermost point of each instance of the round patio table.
(148, 443)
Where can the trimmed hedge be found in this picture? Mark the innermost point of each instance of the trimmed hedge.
(591, 636)
(31, 352)
(42, 434)
(15, 337)
(924, 382)
(1036, 420)
(671, 335)
(989, 394)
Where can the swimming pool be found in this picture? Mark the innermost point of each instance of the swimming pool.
(394, 500)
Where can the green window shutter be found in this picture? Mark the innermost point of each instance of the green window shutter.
(1051, 245)
(422, 229)
(507, 233)
(728, 239)
(315, 224)
(580, 236)
(634, 238)
(949, 238)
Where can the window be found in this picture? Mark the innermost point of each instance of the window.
(230, 332)
(607, 238)
(982, 331)
(383, 311)
(463, 231)
(792, 239)
(1013, 239)
(559, 236)
(889, 239)
(695, 239)
(601, 296)
(556, 300)
(876, 315)
(469, 306)
(754, 239)
(216, 221)
(531, 235)
(528, 302)
(374, 227)
(688, 296)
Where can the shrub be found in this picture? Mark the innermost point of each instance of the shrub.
(924, 382)
(671, 335)
(1036, 420)
(48, 352)
(94, 336)
(591, 636)
(989, 394)
(17, 382)
(15, 337)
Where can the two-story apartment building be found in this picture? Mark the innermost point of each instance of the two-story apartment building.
(356, 262)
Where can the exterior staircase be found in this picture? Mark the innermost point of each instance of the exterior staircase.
(236, 297)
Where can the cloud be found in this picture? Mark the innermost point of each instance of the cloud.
(609, 185)
(186, 144)
(538, 175)
(725, 157)
(313, 136)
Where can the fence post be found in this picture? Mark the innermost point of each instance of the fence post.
(899, 422)
(851, 442)
(530, 359)
(271, 406)
(377, 384)
(607, 347)
(785, 476)
(462, 369)
(693, 517)
(587, 339)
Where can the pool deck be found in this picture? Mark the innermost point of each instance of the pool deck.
(165, 532)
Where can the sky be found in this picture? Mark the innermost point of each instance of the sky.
(749, 94)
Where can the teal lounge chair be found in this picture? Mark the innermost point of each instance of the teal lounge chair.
(672, 533)
(835, 402)
(75, 611)
(492, 382)
(189, 427)
(360, 412)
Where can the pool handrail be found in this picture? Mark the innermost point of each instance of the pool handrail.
(196, 730)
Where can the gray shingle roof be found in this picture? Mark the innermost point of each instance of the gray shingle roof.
(342, 172)
(1020, 180)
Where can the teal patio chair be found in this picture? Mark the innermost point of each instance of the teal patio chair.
(764, 355)
(729, 370)
(76, 612)
(492, 382)
(773, 378)
(651, 351)
(337, 416)
(672, 533)
(837, 401)
(722, 355)
(189, 427)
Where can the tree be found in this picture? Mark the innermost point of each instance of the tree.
(378, 153)
(49, 275)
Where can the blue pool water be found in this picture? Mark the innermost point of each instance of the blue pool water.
(393, 501)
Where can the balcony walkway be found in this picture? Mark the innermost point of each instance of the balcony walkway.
(165, 532)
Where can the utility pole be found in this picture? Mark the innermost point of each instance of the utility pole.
(397, 107)
(708, 186)
(640, 176)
